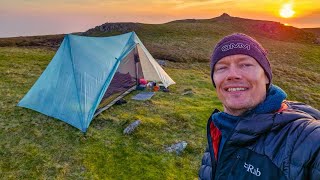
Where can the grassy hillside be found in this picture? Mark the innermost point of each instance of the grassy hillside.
(35, 146)
(313, 30)
(293, 53)
(49, 41)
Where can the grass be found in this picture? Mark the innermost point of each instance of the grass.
(34, 146)
(296, 69)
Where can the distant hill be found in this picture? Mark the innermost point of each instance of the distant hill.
(183, 40)
(122, 27)
(49, 41)
(293, 52)
(270, 29)
(313, 30)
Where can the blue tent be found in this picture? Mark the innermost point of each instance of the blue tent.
(80, 73)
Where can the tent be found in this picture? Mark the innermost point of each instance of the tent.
(85, 70)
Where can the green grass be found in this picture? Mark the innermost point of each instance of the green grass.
(34, 146)
(296, 69)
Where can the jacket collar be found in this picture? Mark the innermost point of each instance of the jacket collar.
(252, 124)
(250, 128)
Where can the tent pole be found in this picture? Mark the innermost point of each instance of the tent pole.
(136, 61)
(98, 111)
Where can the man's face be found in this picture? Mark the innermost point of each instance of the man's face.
(240, 83)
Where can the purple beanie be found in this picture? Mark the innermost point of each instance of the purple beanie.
(241, 44)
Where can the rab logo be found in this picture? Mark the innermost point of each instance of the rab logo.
(233, 46)
(251, 169)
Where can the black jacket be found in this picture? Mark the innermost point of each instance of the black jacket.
(282, 145)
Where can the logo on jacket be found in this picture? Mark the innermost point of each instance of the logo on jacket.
(233, 46)
(250, 168)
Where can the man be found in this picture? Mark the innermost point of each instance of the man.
(259, 135)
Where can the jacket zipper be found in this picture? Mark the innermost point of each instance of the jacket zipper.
(235, 164)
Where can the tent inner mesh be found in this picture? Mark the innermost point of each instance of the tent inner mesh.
(124, 78)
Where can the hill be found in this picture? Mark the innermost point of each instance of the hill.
(313, 30)
(293, 52)
(182, 40)
(196, 35)
(270, 29)
(49, 41)
(36, 146)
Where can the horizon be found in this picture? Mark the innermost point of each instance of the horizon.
(31, 18)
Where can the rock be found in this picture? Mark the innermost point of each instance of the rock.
(129, 129)
(189, 92)
(225, 15)
(120, 102)
(165, 90)
(113, 27)
(82, 169)
(162, 62)
(178, 147)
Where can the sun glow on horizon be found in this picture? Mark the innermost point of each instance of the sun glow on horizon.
(286, 10)
(35, 17)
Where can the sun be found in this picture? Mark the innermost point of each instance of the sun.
(286, 10)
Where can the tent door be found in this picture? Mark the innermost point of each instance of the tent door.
(125, 78)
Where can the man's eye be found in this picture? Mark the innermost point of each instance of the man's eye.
(246, 65)
(220, 68)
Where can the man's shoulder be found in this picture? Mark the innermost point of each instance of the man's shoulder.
(302, 107)
(302, 119)
(298, 116)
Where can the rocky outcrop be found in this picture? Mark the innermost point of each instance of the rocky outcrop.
(113, 27)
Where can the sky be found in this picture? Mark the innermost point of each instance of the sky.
(43, 17)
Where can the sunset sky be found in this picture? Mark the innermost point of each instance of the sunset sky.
(39, 17)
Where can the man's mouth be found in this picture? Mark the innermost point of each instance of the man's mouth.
(236, 89)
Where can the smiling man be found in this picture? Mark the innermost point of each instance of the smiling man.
(259, 134)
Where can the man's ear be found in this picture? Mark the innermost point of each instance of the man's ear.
(266, 79)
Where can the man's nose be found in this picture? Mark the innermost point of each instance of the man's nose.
(234, 73)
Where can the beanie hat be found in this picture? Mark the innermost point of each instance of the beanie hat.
(241, 44)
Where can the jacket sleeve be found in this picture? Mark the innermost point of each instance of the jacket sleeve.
(305, 162)
(305, 108)
(313, 165)
(314, 173)
(205, 172)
